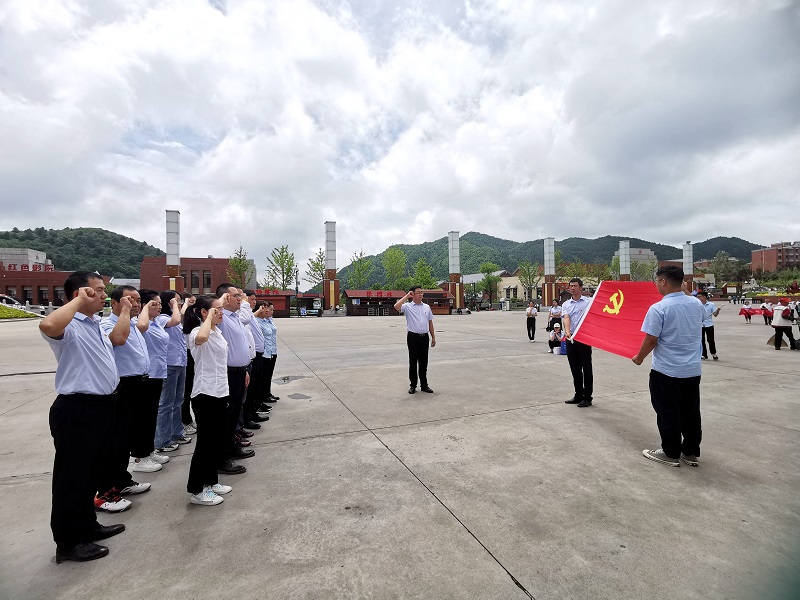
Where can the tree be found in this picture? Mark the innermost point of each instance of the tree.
(721, 266)
(575, 269)
(529, 276)
(394, 265)
(281, 268)
(316, 269)
(240, 268)
(423, 275)
(489, 282)
(558, 258)
(643, 270)
(360, 269)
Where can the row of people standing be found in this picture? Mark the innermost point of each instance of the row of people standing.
(119, 382)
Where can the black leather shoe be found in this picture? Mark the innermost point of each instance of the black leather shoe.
(251, 425)
(81, 552)
(264, 407)
(426, 389)
(102, 532)
(242, 453)
(274, 398)
(585, 403)
(271, 399)
(230, 468)
(256, 418)
(575, 400)
(412, 390)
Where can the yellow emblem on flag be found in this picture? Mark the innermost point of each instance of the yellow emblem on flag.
(616, 305)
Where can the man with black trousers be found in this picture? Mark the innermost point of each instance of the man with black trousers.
(579, 355)
(238, 362)
(672, 328)
(80, 417)
(419, 321)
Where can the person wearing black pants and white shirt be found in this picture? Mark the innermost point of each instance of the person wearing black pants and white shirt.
(209, 399)
(530, 321)
(81, 416)
(419, 321)
(579, 355)
(710, 311)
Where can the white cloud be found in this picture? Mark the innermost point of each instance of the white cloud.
(398, 119)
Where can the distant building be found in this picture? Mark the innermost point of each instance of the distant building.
(29, 276)
(200, 275)
(777, 256)
(640, 255)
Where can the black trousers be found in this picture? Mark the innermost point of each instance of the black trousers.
(210, 449)
(81, 426)
(418, 345)
(708, 333)
(269, 369)
(130, 394)
(186, 413)
(531, 324)
(255, 391)
(551, 323)
(677, 405)
(143, 417)
(779, 331)
(236, 391)
(580, 364)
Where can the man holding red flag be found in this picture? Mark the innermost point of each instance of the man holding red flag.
(579, 354)
(673, 330)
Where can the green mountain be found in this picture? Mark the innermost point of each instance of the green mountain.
(477, 248)
(84, 248)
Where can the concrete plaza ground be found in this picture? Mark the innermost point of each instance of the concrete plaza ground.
(491, 487)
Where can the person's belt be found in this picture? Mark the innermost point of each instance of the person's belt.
(419, 334)
(136, 377)
(238, 369)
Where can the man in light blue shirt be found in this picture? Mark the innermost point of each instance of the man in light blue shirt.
(672, 330)
(419, 321)
(579, 355)
(80, 417)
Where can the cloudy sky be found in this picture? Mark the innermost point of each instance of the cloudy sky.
(400, 120)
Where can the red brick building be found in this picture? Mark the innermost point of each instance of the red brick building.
(200, 275)
(777, 256)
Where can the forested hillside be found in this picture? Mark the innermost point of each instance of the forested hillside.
(86, 248)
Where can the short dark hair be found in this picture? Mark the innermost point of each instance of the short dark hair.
(146, 295)
(672, 273)
(119, 291)
(249, 292)
(414, 287)
(703, 293)
(222, 288)
(270, 303)
(78, 280)
(166, 297)
(576, 280)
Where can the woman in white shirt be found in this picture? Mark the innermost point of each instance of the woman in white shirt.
(209, 393)
(556, 337)
(555, 315)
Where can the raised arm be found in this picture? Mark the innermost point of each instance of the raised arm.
(54, 324)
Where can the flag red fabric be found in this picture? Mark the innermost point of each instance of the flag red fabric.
(614, 318)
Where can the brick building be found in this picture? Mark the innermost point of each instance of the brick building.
(200, 275)
(29, 276)
(777, 256)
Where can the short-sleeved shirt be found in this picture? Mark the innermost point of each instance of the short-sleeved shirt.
(210, 364)
(576, 309)
(246, 317)
(708, 314)
(531, 311)
(132, 357)
(157, 341)
(555, 311)
(85, 358)
(176, 349)
(677, 322)
(417, 316)
(270, 333)
(233, 331)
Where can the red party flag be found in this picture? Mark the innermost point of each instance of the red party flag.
(614, 318)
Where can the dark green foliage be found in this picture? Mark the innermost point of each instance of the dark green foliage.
(478, 248)
(86, 248)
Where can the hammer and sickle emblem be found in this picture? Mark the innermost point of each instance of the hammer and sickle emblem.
(617, 305)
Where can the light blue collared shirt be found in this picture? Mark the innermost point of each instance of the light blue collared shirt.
(576, 309)
(157, 341)
(85, 359)
(176, 349)
(708, 316)
(132, 357)
(247, 318)
(233, 331)
(270, 333)
(417, 316)
(677, 322)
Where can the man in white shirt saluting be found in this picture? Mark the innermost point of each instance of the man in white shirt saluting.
(419, 320)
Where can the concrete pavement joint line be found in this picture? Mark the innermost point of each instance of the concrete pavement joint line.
(27, 373)
(414, 475)
(718, 412)
(10, 410)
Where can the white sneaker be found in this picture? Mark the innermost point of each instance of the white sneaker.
(146, 465)
(159, 458)
(182, 440)
(109, 502)
(207, 497)
(171, 447)
(135, 488)
(220, 489)
(189, 429)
